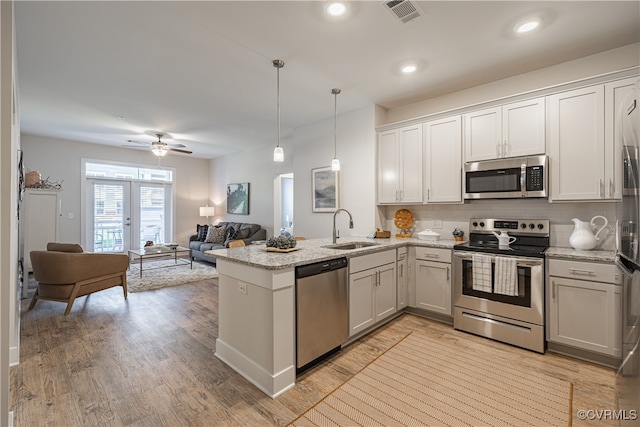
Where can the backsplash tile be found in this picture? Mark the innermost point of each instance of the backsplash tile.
(559, 215)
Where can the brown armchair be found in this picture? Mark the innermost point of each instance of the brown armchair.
(64, 272)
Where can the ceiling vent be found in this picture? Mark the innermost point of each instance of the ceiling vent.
(403, 10)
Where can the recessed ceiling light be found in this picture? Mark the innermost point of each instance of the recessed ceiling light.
(527, 26)
(336, 9)
(409, 68)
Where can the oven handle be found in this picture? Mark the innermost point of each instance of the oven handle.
(520, 261)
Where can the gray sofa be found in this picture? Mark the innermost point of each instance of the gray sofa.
(233, 231)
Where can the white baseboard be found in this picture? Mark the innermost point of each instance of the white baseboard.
(14, 356)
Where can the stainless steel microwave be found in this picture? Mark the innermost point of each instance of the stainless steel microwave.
(513, 178)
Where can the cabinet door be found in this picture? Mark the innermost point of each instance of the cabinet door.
(388, 174)
(40, 222)
(618, 96)
(575, 129)
(443, 160)
(385, 292)
(523, 128)
(482, 134)
(410, 167)
(585, 315)
(361, 300)
(433, 286)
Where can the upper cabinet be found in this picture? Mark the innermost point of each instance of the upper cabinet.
(511, 130)
(585, 156)
(443, 160)
(400, 165)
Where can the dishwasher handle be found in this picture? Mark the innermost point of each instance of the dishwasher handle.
(320, 267)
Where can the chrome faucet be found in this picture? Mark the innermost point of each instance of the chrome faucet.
(335, 234)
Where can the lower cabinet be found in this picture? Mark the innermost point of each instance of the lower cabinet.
(433, 280)
(584, 303)
(372, 289)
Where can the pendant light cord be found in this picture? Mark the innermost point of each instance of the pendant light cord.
(278, 63)
(335, 93)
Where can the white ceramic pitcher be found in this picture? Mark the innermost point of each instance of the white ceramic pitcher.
(582, 237)
(504, 239)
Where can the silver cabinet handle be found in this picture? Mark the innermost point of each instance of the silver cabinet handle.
(378, 274)
(612, 187)
(582, 272)
(428, 255)
(601, 189)
(505, 149)
(498, 149)
(401, 270)
(448, 273)
(553, 289)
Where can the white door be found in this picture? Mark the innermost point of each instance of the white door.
(151, 220)
(108, 216)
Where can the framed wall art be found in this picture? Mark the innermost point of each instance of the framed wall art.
(325, 189)
(238, 198)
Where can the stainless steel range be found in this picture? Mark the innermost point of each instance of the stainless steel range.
(499, 288)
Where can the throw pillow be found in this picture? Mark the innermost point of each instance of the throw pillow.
(232, 234)
(202, 232)
(64, 247)
(215, 235)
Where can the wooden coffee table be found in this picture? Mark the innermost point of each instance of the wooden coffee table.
(154, 252)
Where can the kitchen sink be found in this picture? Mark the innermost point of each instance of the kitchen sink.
(351, 245)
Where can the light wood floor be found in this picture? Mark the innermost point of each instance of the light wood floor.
(149, 361)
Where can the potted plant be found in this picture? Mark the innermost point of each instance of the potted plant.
(458, 234)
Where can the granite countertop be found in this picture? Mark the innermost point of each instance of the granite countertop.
(570, 253)
(313, 250)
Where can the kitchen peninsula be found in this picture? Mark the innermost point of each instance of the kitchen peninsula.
(256, 324)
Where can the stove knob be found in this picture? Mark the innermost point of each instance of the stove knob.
(481, 224)
(540, 226)
(532, 226)
(523, 225)
(475, 223)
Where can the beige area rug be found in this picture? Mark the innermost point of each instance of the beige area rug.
(424, 381)
(162, 274)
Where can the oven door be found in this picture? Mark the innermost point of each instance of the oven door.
(526, 306)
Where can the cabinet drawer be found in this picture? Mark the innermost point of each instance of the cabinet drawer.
(374, 260)
(433, 254)
(596, 272)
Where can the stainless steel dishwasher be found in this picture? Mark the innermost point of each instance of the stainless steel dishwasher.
(322, 323)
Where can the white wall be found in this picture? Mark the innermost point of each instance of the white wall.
(61, 160)
(310, 147)
(593, 65)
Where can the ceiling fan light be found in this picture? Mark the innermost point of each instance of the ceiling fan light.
(159, 151)
(335, 165)
(278, 154)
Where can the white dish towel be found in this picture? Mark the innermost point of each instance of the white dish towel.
(506, 282)
(481, 273)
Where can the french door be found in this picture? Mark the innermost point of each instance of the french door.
(126, 214)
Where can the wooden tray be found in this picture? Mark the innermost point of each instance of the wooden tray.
(282, 251)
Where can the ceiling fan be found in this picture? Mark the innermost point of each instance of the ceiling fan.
(160, 148)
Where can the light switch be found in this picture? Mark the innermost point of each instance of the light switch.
(70, 215)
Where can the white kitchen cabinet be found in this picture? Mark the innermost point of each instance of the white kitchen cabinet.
(433, 280)
(615, 106)
(583, 306)
(511, 130)
(575, 124)
(372, 290)
(403, 278)
(400, 165)
(443, 160)
(39, 223)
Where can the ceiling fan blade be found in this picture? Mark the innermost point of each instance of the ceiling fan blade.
(138, 142)
(177, 145)
(180, 151)
(138, 147)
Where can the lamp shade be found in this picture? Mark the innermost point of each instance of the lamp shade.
(207, 211)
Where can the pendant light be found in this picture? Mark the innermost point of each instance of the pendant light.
(335, 163)
(278, 152)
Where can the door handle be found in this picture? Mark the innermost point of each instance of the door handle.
(553, 289)
(448, 273)
(498, 149)
(612, 187)
(601, 188)
(505, 149)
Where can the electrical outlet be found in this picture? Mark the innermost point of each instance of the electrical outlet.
(437, 224)
(242, 287)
